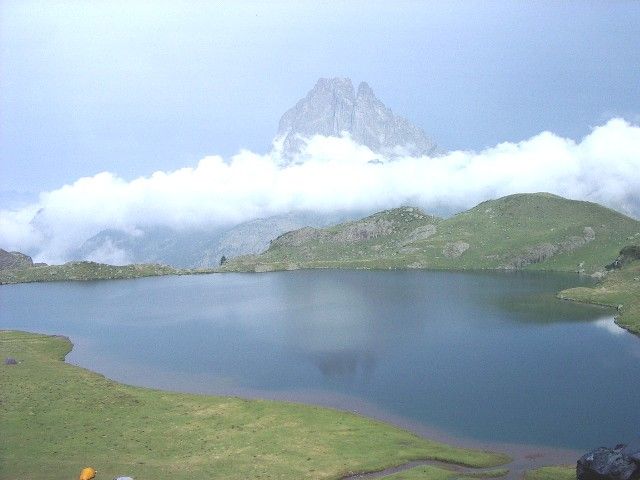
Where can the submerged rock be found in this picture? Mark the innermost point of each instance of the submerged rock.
(620, 463)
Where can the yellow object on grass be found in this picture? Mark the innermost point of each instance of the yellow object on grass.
(87, 473)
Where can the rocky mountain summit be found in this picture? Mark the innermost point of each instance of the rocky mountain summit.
(333, 107)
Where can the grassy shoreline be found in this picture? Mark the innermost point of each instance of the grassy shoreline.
(84, 271)
(57, 418)
(620, 289)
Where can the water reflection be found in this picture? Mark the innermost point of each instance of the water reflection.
(610, 326)
(343, 323)
(486, 355)
(345, 364)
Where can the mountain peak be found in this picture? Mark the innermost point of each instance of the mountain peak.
(365, 90)
(335, 83)
(333, 107)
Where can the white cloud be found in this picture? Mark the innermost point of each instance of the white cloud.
(331, 174)
(109, 253)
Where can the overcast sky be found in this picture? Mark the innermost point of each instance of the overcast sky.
(133, 87)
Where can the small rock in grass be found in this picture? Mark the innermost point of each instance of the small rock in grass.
(123, 478)
(10, 361)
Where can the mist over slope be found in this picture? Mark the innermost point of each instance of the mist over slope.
(194, 247)
(329, 174)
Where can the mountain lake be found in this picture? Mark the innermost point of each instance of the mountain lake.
(492, 357)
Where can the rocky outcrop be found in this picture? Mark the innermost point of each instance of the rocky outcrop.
(297, 238)
(543, 251)
(619, 463)
(364, 230)
(360, 231)
(333, 107)
(420, 234)
(455, 249)
(627, 255)
(11, 260)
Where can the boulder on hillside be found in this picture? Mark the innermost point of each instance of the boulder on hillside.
(627, 255)
(619, 463)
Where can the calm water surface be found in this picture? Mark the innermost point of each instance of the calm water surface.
(488, 356)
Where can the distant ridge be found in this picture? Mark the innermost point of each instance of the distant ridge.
(193, 248)
(333, 106)
(523, 231)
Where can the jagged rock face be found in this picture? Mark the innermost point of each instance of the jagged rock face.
(10, 260)
(333, 107)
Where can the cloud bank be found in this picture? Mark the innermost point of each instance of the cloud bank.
(331, 174)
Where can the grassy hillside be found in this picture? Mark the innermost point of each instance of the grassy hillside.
(56, 418)
(524, 231)
(82, 271)
(621, 289)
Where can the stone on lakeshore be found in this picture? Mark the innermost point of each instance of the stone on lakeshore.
(609, 464)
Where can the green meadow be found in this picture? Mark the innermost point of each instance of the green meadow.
(57, 418)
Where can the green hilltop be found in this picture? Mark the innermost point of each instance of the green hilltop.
(523, 231)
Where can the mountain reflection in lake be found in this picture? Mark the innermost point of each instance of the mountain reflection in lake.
(491, 356)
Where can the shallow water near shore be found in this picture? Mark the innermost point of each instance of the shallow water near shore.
(490, 357)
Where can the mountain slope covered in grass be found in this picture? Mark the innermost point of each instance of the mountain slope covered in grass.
(522, 231)
(82, 271)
